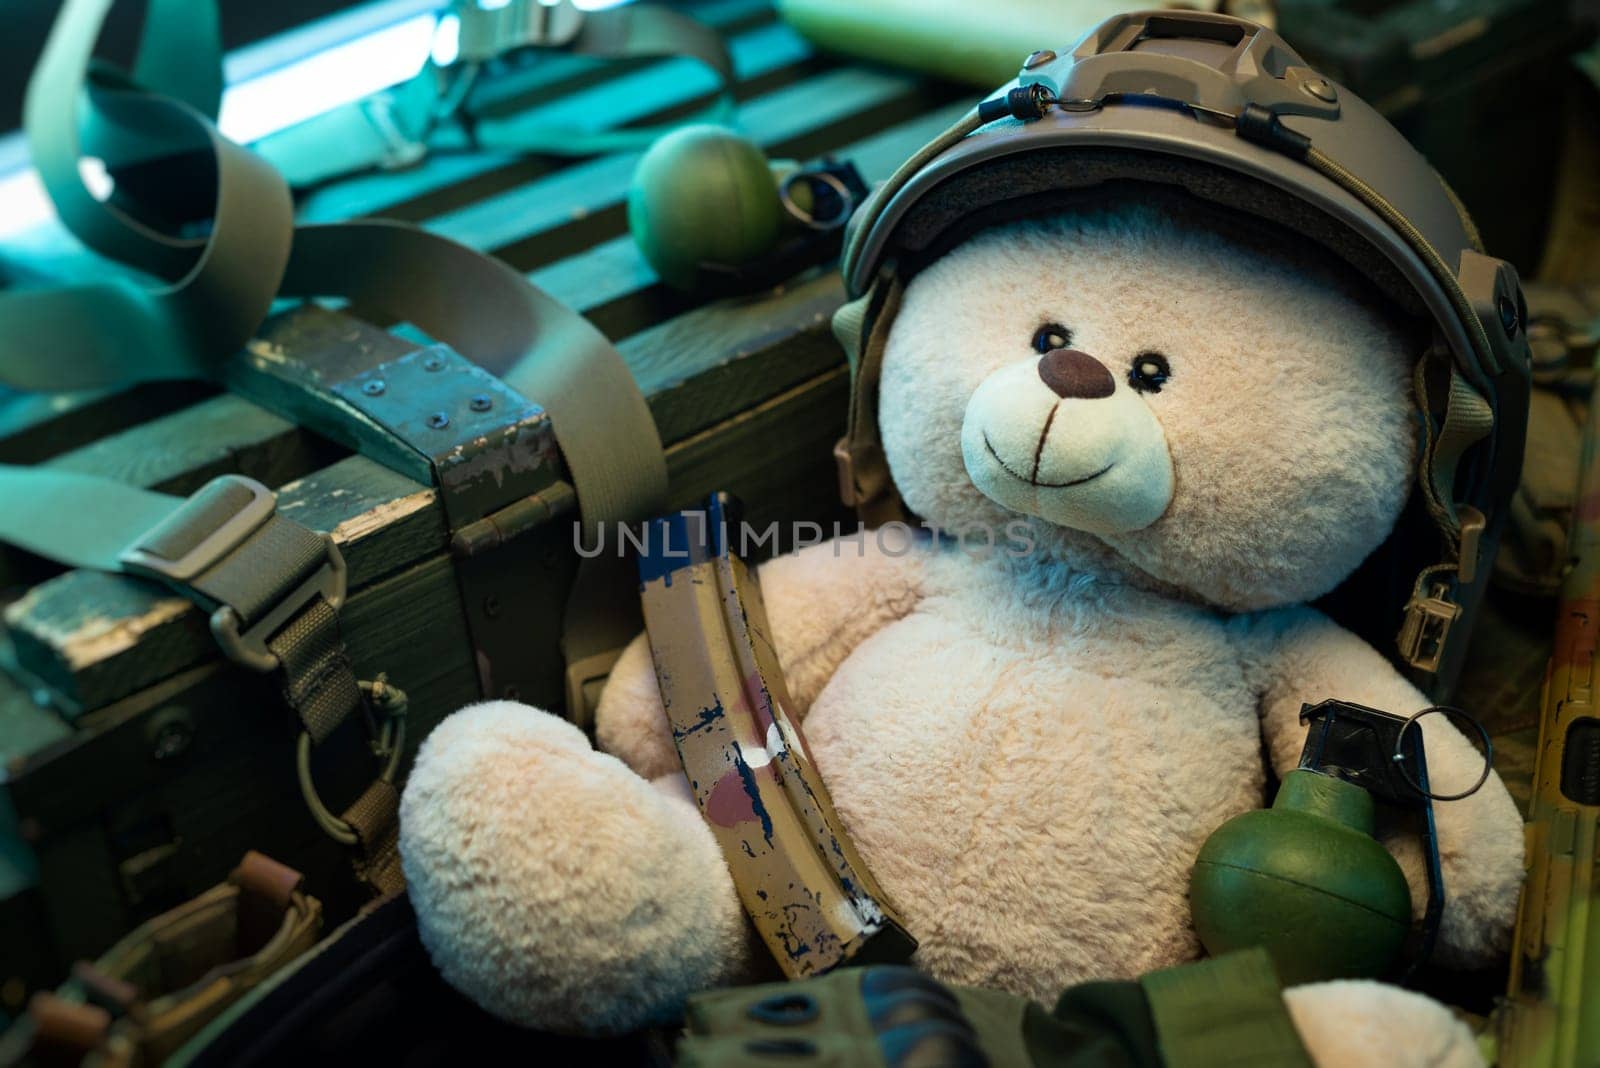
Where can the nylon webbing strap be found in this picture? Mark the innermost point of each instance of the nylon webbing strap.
(273, 589)
(79, 337)
(1226, 1012)
(221, 286)
(392, 129)
(374, 817)
(318, 682)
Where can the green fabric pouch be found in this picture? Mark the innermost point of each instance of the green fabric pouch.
(1227, 1011)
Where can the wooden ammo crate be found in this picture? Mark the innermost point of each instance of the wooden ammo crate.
(138, 764)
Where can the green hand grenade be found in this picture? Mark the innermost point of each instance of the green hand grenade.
(703, 194)
(715, 217)
(1306, 879)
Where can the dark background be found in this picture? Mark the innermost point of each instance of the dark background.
(27, 22)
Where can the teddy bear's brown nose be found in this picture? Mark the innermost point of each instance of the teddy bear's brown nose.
(1076, 374)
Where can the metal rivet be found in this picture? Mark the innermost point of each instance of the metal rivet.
(438, 420)
(491, 606)
(433, 363)
(480, 402)
(1038, 59)
(1320, 88)
(373, 388)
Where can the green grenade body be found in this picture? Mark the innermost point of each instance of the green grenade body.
(703, 195)
(1306, 880)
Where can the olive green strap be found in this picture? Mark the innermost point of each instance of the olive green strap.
(82, 337)
(221, 286)
(1226, 1012)
(76, 520)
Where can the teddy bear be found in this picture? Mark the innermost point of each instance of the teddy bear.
(1183, 430)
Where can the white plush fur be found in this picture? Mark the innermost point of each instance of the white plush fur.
(1353, 1024)
(1028, 749)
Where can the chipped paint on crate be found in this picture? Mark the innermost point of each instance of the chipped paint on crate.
(377, 520)
(83, 641)
(263, 353)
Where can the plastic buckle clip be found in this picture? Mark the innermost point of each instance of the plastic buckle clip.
(247, 647)
(221, 540)
(399, 147)
(1427, 624)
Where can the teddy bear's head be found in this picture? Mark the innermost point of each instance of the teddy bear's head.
(1169, 395)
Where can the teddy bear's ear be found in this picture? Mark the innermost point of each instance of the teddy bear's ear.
(1279, 142)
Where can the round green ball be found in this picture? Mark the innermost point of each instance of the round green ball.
(703, 194)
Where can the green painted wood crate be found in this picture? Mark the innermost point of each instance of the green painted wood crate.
(138, 764)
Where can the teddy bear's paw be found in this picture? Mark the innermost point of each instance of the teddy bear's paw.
(555, 887)
(1357, 1023)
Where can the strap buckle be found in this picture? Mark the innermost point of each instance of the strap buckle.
(248, 647)
(209, 526)
(484, 32)
(212, 545)
(1427, 624)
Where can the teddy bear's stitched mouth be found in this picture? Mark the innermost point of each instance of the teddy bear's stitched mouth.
(1035, 482)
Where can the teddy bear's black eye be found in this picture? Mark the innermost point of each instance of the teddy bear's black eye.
(1051, 336)
(1149, 372)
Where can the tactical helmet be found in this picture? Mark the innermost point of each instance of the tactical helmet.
(1220, 110)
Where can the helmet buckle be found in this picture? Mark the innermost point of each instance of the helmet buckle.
(1427, 624)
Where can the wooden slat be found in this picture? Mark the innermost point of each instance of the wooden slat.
(26, 724)
(588, 188)
(777, 457)
(37, 426)
(710, 364)
(617, 96)
(179, 453)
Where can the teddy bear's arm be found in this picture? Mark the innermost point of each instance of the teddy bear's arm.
(822, 602)
(1300, 656)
